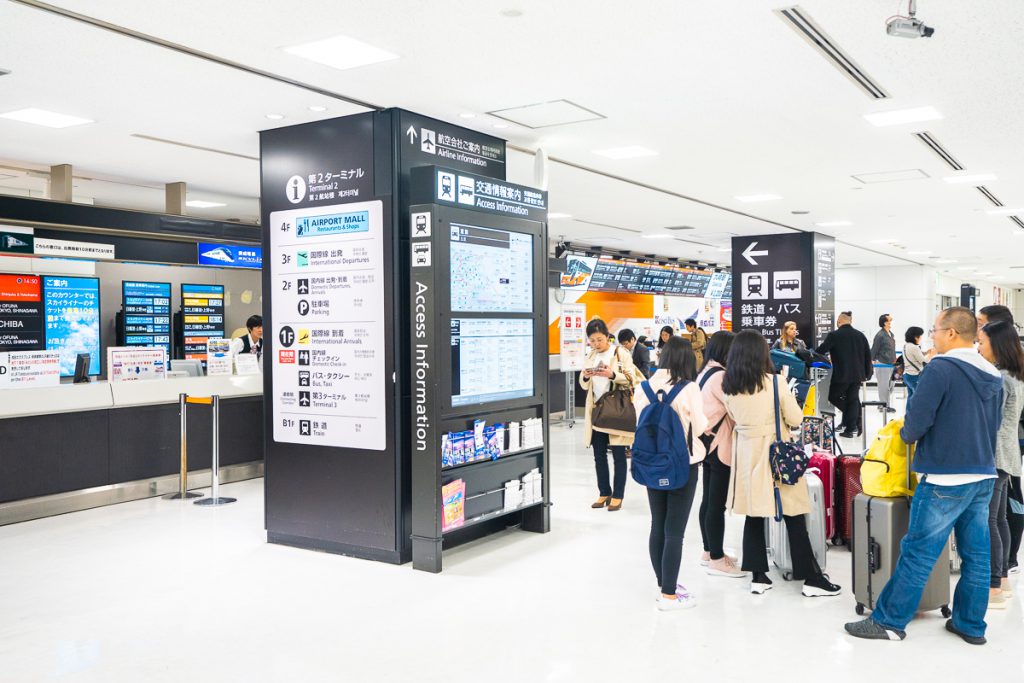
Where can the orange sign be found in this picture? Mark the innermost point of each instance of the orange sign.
(20, 288)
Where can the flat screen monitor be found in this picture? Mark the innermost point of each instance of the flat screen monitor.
(191, 367)
(202, 317)
(81, 368)
(492, 360)
(147, 314)
(491, 270)
(21, 313)
(71, 308)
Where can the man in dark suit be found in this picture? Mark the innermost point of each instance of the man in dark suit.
(641, 354)
(851, 366)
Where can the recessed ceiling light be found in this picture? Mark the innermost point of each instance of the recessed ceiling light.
(467, 115)
(511, 13)
(1005, 211)
(657, 236)
(833, 224)
(42, 117)
(946, 260)
(318, 107)
(799, 213)
(556, 215)
(900, 116)
(919, 253)
(766, 197)
(627, 152)
(976, 179)
(499, 126)
(203, 204)
(275, 117)
(341, 52)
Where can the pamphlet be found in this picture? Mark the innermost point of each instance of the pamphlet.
(136, 363)
(247, 364)
(453, 497)
(218, 357)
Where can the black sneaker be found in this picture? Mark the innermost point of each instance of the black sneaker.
(870, 629)
(973, 640)
(819, 586)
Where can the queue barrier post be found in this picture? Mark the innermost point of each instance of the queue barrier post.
(215, 497)
(183, 492)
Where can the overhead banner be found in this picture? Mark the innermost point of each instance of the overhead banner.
(29, 369)
(329, 322)
(573, 347)
(230, 255)
(786, 277)
(587, 273)
(14, 240)
(69, 249)
(21, 313)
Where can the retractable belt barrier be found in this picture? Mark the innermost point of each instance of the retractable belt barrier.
(215, 498)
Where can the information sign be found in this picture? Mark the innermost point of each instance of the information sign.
(134, 364)
(202, 317)
(573, 342)
(29, 369)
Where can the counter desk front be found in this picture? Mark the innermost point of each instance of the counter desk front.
(76, 446)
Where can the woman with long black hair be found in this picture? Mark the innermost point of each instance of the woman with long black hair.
(999, 344)
(671, 508)
(749, 388)
(666, 333)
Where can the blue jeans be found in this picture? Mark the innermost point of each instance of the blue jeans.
(911, 382)
(934, 513)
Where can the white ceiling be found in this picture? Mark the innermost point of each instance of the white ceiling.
(728, 95)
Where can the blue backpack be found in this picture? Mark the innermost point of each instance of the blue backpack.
(661, 449)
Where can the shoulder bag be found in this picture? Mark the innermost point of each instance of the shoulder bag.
(614, 410)
(788, 460)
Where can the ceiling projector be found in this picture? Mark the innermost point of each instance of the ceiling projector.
(909, 27)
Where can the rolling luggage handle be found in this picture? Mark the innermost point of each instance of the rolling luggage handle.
(864, 419)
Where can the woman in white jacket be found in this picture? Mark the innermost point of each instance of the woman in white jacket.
(670, 509)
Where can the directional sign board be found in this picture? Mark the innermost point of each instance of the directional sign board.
(779, 278)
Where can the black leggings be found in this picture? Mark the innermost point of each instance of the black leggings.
(755, 550)
(1015, 521)
(712, 505)
(669, 512)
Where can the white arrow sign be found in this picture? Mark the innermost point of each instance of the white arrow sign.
(749, 253)
(412, 135)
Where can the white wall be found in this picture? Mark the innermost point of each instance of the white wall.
(907, 293)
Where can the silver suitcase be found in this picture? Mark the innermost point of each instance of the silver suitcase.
(778, 539)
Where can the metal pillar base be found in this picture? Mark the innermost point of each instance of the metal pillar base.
(215, 501)
(178, 496)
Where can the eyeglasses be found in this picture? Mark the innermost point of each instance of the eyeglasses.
(938, 329)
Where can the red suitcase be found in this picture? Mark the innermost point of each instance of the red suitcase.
(824, 463)
(849, 487)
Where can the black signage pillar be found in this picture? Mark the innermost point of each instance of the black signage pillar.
(336, 344)
(777, 278)
(968, 296)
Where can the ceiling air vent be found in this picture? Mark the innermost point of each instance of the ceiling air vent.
(941, 151)
(800, 21)
(989, 196)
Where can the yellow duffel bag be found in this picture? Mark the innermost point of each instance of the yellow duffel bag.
(884, 471)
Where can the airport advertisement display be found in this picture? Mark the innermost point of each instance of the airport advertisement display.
(230, 255)
(329, 316)
(21, 313)
(202, 317)
(71, 308)
(147, 314)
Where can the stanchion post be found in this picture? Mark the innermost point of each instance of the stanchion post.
(215, 498)
(183, 492)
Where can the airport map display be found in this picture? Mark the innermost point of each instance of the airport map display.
(492, 360)
(491, 270)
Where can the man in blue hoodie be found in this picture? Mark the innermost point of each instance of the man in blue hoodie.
(953, 416)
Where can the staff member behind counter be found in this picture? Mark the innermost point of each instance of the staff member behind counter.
(252, 342)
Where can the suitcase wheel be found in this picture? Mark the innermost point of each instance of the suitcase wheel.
(860, 609)
(945, 611)
(787, 576)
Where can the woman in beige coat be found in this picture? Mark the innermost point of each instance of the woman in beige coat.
(750, 401)
(607, 368)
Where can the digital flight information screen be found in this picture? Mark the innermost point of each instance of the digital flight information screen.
(202, 309)
(491, 270)
(147, 314)
(492, 360)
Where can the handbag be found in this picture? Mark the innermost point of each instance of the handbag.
(614, 410)
(788, 460)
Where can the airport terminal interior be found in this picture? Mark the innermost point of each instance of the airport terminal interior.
(307, 311)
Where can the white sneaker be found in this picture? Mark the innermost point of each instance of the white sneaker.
(679, 602)
(760, 588)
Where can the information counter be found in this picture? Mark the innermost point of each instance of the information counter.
(76, 446)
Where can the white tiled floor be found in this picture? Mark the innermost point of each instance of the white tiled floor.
(160, 591)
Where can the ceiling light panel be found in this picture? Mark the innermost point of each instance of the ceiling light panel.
(341, 52)
(899, 117)
(627, 152)
(547, 114)
(42, 117)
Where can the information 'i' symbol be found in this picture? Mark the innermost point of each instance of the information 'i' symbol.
(295, 189)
